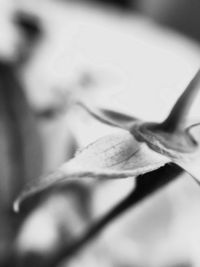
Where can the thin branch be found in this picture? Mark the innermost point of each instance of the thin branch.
(146, 185)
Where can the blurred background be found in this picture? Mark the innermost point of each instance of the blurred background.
(132, 56)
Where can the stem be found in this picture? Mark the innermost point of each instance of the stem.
(20, 150)
(176, 119)
(20, 143)
(146, 185)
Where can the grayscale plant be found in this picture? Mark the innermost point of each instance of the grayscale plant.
(142, 148)
(153, 153)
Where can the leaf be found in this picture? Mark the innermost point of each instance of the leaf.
(110, 117)
(194, 132)
(190, 162)
(110, 157)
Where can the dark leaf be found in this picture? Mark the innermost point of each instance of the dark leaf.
(110, 117)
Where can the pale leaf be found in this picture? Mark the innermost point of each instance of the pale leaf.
(110, 157)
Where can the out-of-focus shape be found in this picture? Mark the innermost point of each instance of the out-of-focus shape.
(182, 15)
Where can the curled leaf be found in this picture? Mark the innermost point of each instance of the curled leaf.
(110, 157)
(194, 132)
(190, 162)
(110, 117)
